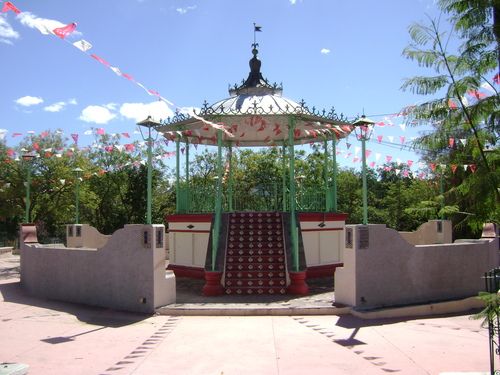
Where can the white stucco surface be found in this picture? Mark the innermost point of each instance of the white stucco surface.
(127, 273)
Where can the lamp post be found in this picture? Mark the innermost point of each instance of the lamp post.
(149, 123)
(77, 194)
(363, 128)
(28, 157)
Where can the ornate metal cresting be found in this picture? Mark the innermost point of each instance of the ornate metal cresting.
(492, 281)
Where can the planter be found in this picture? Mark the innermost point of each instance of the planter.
(212, 285)
(298, 283)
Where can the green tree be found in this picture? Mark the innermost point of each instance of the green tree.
(452, 116)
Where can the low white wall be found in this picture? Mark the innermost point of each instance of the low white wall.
(432, 232)
(383, 269)
(128, 273)
(83, 235)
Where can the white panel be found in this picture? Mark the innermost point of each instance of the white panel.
(311, 248)
(200, 244)
(183, 249)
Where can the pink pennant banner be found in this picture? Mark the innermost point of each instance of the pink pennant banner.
(75, 137)
(100, 131)
(126, 135)
(101, 60)
(9, 6)
(388, 158)
(379, 138)
(63, 32)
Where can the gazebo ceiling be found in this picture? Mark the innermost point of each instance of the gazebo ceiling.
(256, 114)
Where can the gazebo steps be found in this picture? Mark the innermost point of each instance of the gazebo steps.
(255, 260)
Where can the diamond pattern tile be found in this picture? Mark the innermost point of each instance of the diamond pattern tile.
(255, 259)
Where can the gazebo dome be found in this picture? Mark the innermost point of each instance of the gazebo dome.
(256, 114)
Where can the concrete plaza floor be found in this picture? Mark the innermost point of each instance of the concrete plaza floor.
(61, 338)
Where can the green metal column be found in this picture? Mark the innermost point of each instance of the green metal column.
(77, 195)
(177, 174)
(441, 191)
(293, 220)
(365, 192)
(230, 187)
(283, 191)
(218, 201)
(187, 162)
(335, 172)
(28, 195)
(328, 198)
(150, 177)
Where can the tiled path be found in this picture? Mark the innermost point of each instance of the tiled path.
(62, 338)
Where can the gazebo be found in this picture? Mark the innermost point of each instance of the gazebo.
(261, 249)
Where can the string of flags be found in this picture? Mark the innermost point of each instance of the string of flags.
(86, 47)
(46, 28)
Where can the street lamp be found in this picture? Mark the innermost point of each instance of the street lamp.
(363, 128)
(28, 157)
(149, 123)
(77, 193)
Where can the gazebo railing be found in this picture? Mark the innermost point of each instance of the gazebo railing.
(262, 197)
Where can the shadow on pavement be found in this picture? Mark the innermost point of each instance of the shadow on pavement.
(14, 293)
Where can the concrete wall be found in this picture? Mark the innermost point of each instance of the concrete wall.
(383, 269)
(127, 273)
(432, 232)
(83, 235)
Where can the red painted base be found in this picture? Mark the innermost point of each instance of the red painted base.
(212, 285)
(186, 271)
(326, 270)
(298, 283)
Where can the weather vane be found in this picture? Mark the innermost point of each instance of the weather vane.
(256, 29)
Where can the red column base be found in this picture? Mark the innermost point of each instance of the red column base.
(212, 285)
(298, 283)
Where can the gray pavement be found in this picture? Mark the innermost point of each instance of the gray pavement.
(62, 338)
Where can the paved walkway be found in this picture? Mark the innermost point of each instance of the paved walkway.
(61, 338)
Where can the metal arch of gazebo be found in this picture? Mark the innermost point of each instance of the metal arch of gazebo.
(256, 115)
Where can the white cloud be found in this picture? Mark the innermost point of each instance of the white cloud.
(59, 106)
(293, 2)
(7, 33)
(140, 111)
(325, 51)
(44, 25)
(56, 107)
(27, 101)
(97, 114)
(186, 9)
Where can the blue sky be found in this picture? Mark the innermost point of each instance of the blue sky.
(345, 54)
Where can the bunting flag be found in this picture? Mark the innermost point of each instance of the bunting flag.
(454, 168)
(388, 158)
(9, 6)
(473, 168)
(83, 45)
(379, 138)
(63, 32)
(75, 137)
(496, 79)
(451, 142)
(101, 60)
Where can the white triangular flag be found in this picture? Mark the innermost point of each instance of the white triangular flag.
(83, 45)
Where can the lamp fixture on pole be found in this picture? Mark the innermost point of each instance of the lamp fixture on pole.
(149, 123)
(363, 128)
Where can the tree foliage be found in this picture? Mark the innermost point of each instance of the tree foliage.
(471, 197)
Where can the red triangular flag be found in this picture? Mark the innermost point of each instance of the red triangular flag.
(451, 142)
(63, 32)
(473, 168)
(9, 6)
(454, 168)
